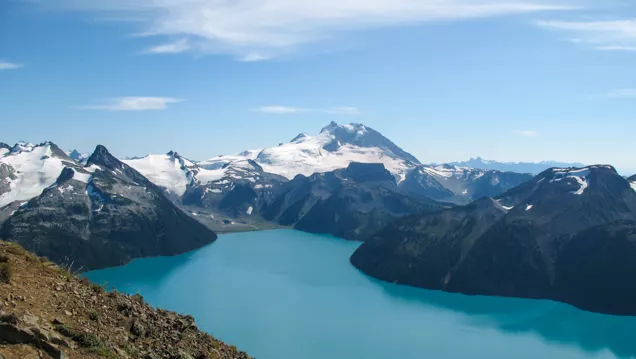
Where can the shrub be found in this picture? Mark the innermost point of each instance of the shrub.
(97, 288)
(94, 316)
(6, 272)
(4, 258)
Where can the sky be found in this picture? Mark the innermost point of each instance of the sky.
(509, 80)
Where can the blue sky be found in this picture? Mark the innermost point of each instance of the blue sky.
(510, 80)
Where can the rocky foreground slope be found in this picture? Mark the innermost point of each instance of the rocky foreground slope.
(567, 235)
(45, 312)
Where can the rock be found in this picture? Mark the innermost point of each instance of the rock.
(67, 313)
(138, 328)
(30, 320)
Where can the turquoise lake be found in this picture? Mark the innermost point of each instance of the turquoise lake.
(291, 295)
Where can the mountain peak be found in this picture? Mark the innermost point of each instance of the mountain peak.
(78, 156)
(102, 157)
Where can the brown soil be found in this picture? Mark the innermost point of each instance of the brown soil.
(45, 312)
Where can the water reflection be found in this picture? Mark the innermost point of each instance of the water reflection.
(556, 322)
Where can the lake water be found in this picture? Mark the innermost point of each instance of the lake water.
(291, 295)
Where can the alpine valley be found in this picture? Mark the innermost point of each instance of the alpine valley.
(568, 233)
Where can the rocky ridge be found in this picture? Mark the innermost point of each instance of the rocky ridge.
(45, 312)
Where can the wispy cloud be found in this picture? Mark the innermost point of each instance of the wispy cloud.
(613, 35)
(274, 27)
(527, 133)
(169, 48)
(621, 93)
(5, 65)
(134, 104)
(286, 110)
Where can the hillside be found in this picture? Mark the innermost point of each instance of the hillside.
(102, 214)
(47, 313)
(567, 235)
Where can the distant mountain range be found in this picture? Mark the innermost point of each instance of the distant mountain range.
(519, 167)
(475, 227)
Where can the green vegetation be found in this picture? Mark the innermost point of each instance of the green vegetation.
(6, 272)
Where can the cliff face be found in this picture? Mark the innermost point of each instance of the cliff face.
(45, 312)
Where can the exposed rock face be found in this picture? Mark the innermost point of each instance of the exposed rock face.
(103, 214)
(244, 185)
(459, 185)
(567, 235)
(45, 312)
(350, 203)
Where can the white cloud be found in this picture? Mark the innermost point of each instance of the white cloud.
(284, 110)
(134, 104)
(254, 57)
(274, 27)
(170, 48)
(527, 133)
(613, 35)
(5, 65)
(621, 93)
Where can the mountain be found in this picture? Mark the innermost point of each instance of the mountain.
(351, 203)
(79, 157)
(239, 185)
(334, 148)
(4, 149)
(238, 189)
(458, 185)
(170, 171)
(519, 167)
(567, 235)
(49, 313)
(103, 214)
(27, 169)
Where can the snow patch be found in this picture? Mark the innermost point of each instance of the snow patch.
(249, 210)
(81, 176)
(579, 175)
(529, 207)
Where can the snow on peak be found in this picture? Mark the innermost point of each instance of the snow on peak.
(79, 156)
(580, 175)
(169, 171)
(335, 147)
(33, 169)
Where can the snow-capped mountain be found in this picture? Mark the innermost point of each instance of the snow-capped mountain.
(78, 156)
(195, 185)
(101, 214)
(632, 181)
(27, 169)
(519, 167)
(459, 184)
(4, 149)
(170, 171)
(335, 147)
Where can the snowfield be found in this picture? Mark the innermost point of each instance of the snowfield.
(306, 155)
(164, 170)
(35, 169)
